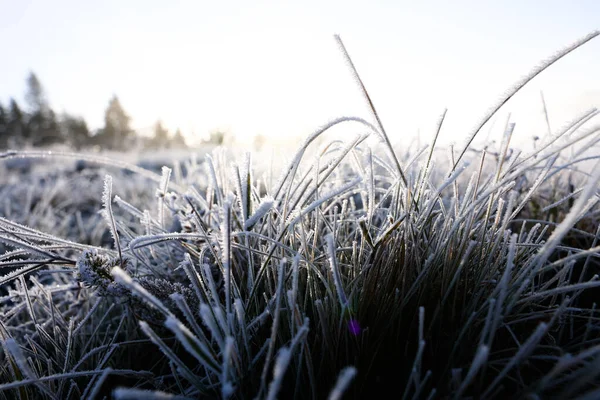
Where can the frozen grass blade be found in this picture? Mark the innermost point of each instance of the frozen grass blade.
(107, 213)
(208, 317)
(275, 326)
(585, 201)
(227, 388)
(123, 278)
(265, 206)
(381, 130)
(70, 375)
(24, 367)
(519, 85)
(141, 394)
(295, 217)
(95, 390)
(281, 364)
(523, 352)
(290, 171)
(343, 382)
(546, 117)
(426, 170)
(227, 275)
(335, 271)
(193, 345)
(161, 193)
(480, 359)
(181, 367)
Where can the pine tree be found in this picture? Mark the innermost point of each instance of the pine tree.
(16, 129)
(3, 128)
(35, 95)
(42, 126)
(116, 132)
(50, 131)
(217, 137)
(178, 141)
(74, 130)
(161, 136)
(35, 99)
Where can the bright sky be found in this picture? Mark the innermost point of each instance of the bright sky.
(273, 67)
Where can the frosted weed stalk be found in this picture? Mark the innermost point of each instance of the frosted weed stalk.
(350, 276)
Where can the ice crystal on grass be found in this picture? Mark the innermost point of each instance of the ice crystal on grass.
(93, 270)
(162, 289)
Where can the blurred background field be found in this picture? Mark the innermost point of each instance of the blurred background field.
(262, 72)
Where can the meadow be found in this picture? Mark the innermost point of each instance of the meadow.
(356, 270)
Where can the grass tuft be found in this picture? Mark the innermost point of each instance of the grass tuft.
(360, 271)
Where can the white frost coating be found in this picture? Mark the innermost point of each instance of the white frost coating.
(188, 267)
(227, 388)
(344, 379)
(370, 187)
(129, 207)
(211, 324)
(506, 275)
(220, 316)
(335, 270)
(478, 361)
(585, 201)
(281, 365)
(210, 168)
(295, 216)
(124, 279)
(13, 348)
(207, 275)
(265, 206)
(525, 349)
(300, 153)
(161, 193)
(227, 252)
(181, 367)
(165, 179)
(136, 394)
(17, 354)
(245, 177)
(275, 326)
(107, 212)
(519, 84)
(187, 338)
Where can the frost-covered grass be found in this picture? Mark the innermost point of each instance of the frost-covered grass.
(353, 272)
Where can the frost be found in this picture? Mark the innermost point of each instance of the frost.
(93, 270)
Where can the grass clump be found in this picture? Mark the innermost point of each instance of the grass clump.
(353, 276)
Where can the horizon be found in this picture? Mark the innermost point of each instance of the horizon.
(275, 70)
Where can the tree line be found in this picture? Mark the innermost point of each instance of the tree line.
(38, 125)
